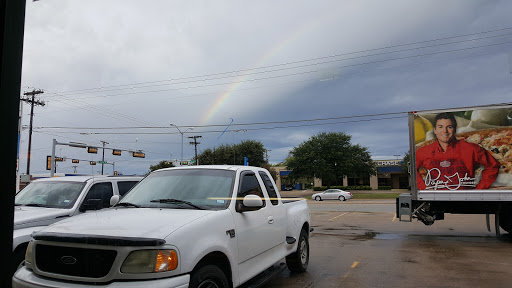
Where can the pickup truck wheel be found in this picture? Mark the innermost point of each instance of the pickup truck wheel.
(19, 258)
(209, 276)
(298, 260)
(506, 221)
(317, 198)
(341, 198)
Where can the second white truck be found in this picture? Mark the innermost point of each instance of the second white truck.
(48, 200)
(199, 226)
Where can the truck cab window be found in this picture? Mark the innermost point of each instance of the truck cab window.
(102, 191)
(250, 186)
(270, 188)
(125, 186)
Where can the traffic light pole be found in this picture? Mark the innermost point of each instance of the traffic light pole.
(138, 154)
(103, 157)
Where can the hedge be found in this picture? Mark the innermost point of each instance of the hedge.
(322, 188)
(385, 187)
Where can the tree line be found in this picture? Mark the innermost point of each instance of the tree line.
(328, 156)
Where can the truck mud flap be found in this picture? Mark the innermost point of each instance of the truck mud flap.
(404, 207)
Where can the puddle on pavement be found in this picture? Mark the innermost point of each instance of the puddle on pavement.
(378, 236)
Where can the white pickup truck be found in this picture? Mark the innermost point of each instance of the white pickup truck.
(48, 200)
(198, 226)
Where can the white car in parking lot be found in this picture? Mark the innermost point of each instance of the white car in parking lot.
(332, 194)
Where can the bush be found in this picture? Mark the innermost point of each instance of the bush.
(385, 187)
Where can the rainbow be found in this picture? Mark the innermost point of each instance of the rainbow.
(239, 81)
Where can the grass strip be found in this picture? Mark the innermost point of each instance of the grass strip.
(375, 196)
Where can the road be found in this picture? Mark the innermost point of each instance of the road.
(362, 244)
(387, 205)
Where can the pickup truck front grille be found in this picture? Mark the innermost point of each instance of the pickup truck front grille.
(81, 262)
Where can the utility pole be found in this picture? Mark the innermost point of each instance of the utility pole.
(103, 157)
(195, 143)
(32, 102)
(173, 125)
(266, 154)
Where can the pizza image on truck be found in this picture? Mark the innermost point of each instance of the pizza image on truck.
(461, 162)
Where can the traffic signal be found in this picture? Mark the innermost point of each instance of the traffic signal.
(116, 152)
(139, 154)
(184, 162)
(49, 161)
(92, 162)
(92, 150)
(75, 161)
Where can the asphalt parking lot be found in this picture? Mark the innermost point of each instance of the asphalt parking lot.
(360, 243)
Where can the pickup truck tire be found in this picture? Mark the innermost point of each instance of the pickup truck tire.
(298, 261)
(317, 198)
(506, 221)
(19, 258)
(209, 276)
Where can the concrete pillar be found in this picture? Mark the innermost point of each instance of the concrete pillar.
(345, 180)
(374, 182)
(317, 182)
(278, 177)
(278, 181)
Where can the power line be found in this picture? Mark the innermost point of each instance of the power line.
(305, 60)
(223, 125)
(400, 115)
(305, 72)
(300, 81)
(252, 129)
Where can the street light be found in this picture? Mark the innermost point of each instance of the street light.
(172, 125)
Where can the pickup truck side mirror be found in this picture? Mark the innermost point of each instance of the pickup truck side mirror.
(91, 204)
(249, 203)
(114, 200)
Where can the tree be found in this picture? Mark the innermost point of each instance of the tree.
(330, 156)
(160, 165)
(234, 154)
(405, 162)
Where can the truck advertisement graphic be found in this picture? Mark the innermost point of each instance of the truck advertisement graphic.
(463, 150)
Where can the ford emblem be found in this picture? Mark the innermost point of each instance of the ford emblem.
(68, 260)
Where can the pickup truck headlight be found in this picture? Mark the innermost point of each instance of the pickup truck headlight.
(29, 255)
(147, 261)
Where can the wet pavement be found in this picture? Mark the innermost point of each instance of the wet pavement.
(351, 247)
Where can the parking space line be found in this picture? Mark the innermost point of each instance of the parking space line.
(351, 267)
(394, 218)
(338, 216)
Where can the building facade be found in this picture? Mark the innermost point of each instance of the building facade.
(389, 175)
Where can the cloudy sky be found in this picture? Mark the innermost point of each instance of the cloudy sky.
(277, 72)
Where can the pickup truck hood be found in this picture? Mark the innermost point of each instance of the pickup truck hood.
(25, 216)
(128, 222)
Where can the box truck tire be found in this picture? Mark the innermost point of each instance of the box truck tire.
(506, 221)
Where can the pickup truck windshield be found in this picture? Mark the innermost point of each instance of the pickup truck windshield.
(204, 188)
(49, 194)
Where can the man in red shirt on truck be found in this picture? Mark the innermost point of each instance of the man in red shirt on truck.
(450, 164)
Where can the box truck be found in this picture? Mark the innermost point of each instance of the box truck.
(460, 163)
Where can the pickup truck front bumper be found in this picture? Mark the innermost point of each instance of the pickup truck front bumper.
(25, 278)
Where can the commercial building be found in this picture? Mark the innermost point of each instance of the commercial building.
(389, 175)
